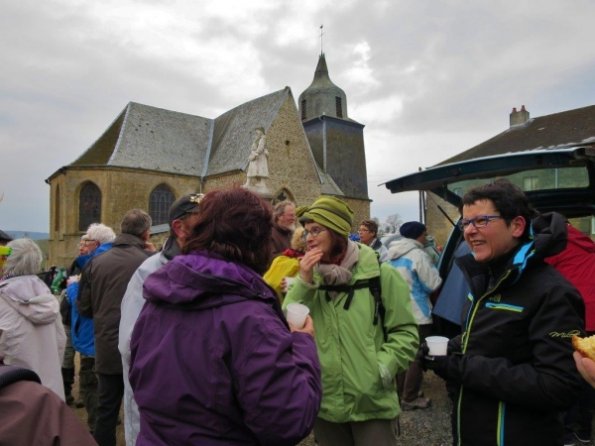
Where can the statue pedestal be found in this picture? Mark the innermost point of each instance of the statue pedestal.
(261, 190)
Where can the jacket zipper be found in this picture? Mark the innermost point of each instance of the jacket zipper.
(500, 425)
(466, 336)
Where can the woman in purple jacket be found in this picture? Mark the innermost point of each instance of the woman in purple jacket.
(213, 361)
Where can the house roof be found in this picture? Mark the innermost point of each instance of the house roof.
(153, 138)
(559, 129)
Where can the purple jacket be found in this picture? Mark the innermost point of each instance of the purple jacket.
(213, 361)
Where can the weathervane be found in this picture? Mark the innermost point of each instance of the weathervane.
(321, 34)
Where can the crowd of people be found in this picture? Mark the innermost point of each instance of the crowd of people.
(193, 338)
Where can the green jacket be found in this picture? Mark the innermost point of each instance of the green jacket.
(358, 366)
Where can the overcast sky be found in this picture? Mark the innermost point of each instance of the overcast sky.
(428, 79)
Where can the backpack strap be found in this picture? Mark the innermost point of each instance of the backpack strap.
(373, 284)
(10, 374)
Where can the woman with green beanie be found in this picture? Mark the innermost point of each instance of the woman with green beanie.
(365, 331)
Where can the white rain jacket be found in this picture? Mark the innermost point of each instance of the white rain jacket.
(418, 270)
(31, 331)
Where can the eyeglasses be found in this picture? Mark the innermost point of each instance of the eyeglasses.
(315, 232)
(363, 230)
(481, 221)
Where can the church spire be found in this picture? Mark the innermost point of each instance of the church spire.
(322, 97)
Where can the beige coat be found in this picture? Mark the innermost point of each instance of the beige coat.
(32, 335)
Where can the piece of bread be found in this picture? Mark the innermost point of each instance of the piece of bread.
(585, 346)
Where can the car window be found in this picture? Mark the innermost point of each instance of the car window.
(534, 180)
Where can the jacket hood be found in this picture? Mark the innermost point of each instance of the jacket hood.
(31, 298)
(549, 236)
(402, 246)
(204, 280)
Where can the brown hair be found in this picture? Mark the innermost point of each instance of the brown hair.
(338, 242)
(370, 225)
(236, 224)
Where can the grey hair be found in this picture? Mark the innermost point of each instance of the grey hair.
(100, 233)
(24, 260)
(135, 222)
(279, 209)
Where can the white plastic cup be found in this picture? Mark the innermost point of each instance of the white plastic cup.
(296, 314)
(288, 282)
(438, 345)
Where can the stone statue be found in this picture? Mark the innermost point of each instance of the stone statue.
(258, 165)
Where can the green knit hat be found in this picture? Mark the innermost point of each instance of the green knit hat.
(329, 212)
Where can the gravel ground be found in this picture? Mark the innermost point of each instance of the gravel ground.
(429, 427)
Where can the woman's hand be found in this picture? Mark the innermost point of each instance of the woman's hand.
(308, 262)
(586, 368)
(308, 327)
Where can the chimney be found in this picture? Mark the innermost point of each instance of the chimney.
(519, 117)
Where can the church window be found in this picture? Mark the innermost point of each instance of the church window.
(57, 209)
(89, 205)
(339, 105)
(303, 109)
(159, 203)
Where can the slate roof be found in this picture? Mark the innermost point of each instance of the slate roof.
(559, 129)
(234, 131)
(153, 138)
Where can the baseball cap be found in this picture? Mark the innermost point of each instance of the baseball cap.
(186, 204)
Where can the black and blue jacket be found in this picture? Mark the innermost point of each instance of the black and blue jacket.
(517, 370)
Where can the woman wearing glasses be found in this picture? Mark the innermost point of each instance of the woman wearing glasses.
(512, 367)
(364, 337)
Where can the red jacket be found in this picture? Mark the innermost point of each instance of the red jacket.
(577, 265)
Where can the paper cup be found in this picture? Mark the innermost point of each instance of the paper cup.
(296, 314)
(438, 345)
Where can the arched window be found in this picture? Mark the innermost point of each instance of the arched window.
(89, 205)
(282, 195)
(339, 106)
(159, 203)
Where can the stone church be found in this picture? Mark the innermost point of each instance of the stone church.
(148, 157)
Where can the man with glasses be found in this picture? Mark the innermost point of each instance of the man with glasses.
(512, 367)
(368, 235)
(97, 240)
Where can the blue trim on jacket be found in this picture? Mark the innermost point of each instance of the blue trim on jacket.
(82, 329)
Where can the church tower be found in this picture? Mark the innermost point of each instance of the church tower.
(337, 141)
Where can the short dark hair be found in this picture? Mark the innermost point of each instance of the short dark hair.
(370, 225)
(235, 224)
(135, 222)
(509, 200)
